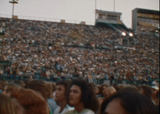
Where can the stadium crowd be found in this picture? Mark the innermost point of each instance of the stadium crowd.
(64, 51)
(72, 58)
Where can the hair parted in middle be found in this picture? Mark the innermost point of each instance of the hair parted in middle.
(66, 84)
(88, 96)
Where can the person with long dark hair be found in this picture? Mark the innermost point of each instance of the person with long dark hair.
(82, 98)
(128, 101)
(61, 97)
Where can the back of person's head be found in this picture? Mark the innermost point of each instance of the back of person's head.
(53, 87)
(130, 101)
(19, 82)
(130, 87)
(39, 86)
(31, 101)
(88, 96)
(26, 83)
(138, 87)
(100, 89)
(117, 88)
(104, 85)
(92, 84)
(146, 90)
(49, 89)
(6, 105)
(2, 84)
(97, 90)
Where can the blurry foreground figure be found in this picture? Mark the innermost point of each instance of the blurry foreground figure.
(28, 101)
(127, 101)
(6, 105)
(9, 87)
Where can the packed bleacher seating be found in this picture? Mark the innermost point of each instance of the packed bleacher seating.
(63, 51)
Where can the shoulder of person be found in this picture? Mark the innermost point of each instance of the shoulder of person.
(88, 111)
(57, 110)
(69, 107)
(70, 112)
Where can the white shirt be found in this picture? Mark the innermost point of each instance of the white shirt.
(66, 109)
(84, 111)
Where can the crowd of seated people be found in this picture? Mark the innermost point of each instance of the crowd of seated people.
(76, 96)
(55, 50)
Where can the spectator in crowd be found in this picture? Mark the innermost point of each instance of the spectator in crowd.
(98, 91)
(82, 98)
(28, 101)
(6, 105)
(108, 92)
(19, 82)
(152, 93)
(155, 95)
(50, 98)
(146, 90)
(128, 101)
(9, 87)
(103, 88)
(1, 86)
(117, 87)
(26, 82)
(41, 87)
(61, 97)
(35, 53)
(51, 89)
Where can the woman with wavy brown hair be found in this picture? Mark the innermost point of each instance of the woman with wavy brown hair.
(6, 105)
(28, 101)
(45, 89)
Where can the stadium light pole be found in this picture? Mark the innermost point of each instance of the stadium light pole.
(114, 5)
(123, 34)
(95, 9)
(13, 2)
